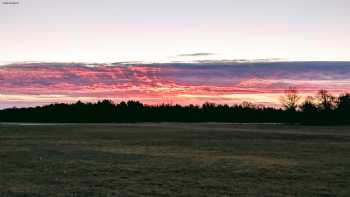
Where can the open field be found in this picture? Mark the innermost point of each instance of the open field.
(172, 159)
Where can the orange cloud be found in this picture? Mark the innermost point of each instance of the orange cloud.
(167, 83)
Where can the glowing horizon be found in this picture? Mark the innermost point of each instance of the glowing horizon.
(222, 82)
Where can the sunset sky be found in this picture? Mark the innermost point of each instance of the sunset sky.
(184, 51)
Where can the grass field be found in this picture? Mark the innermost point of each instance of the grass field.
(171, 159)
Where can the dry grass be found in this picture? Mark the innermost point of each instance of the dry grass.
(174, 160)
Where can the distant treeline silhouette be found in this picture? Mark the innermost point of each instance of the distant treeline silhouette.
(321, 109)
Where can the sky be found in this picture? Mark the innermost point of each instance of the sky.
(160, 30)
(221, 82)
(61, 51)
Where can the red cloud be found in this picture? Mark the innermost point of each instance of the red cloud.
(156, 84)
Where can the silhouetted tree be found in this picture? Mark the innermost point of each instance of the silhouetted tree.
(309, 105)
(249, 105)
(291, 99)
(343, 103)
(326, 100)
(337, 112)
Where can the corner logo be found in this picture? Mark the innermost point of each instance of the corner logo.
(10, 2)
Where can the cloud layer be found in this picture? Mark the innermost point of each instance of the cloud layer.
(196, 54)
(220, 82)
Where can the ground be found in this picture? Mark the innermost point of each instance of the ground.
(174, 159)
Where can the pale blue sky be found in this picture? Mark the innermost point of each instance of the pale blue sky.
(159, 30)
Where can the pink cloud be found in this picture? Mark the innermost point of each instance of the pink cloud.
(175, 83)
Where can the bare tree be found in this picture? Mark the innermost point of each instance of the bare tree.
(290, 99)
(248, 105)
(326, 100)
(309, 105)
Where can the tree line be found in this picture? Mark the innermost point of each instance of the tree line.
(323, 108)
